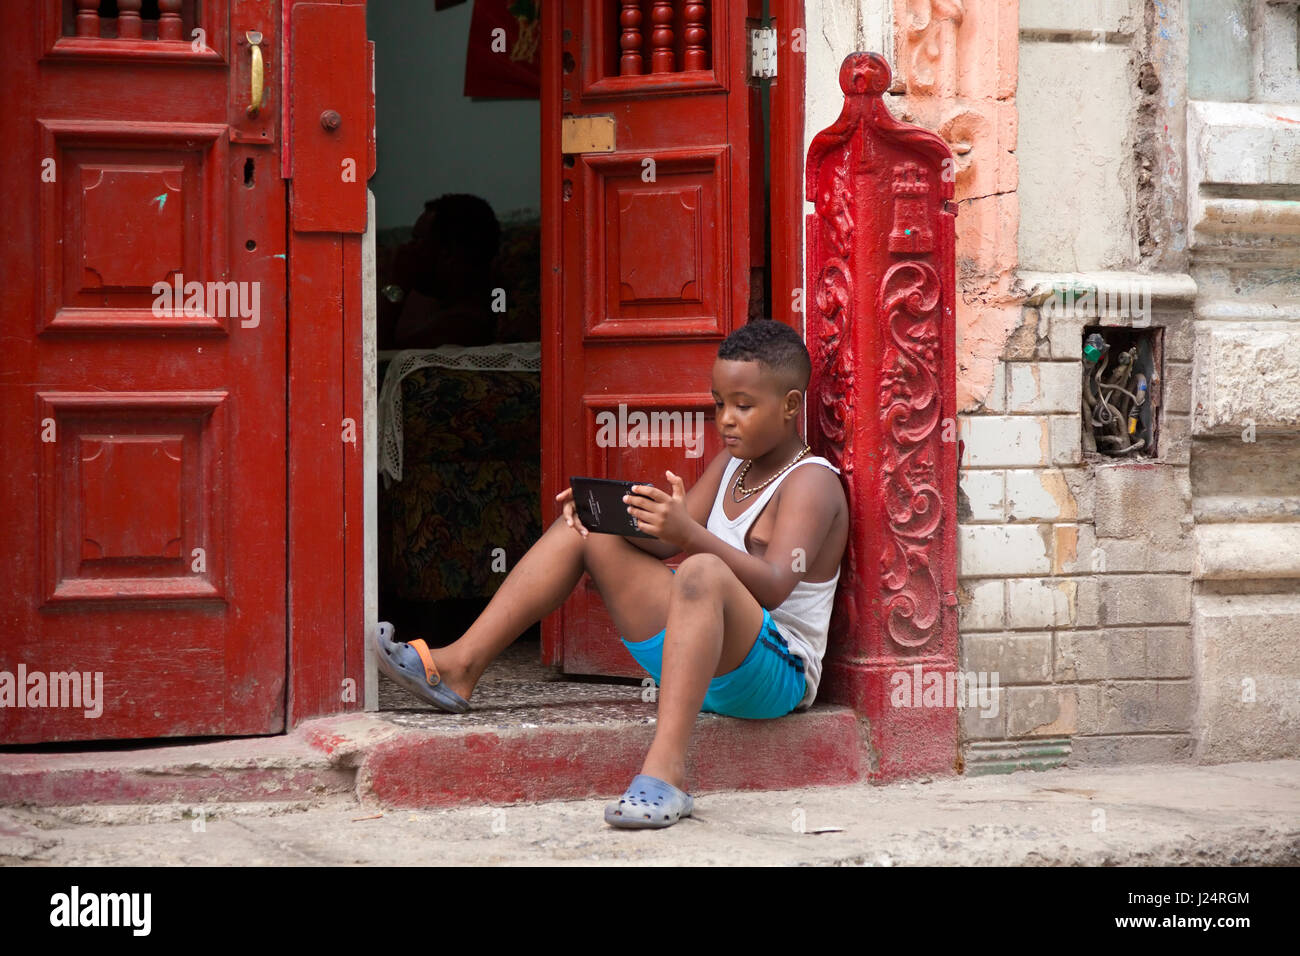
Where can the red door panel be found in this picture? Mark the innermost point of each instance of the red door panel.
(142, 379)
(652, 249)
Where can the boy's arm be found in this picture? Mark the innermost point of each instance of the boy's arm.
(699, 502)
(809, 500)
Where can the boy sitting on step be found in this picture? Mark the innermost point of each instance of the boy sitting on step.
(739, 628)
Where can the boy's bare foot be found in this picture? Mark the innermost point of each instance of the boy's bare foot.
(455, 673)
(669, 771)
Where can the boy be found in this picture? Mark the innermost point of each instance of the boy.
(740, 627)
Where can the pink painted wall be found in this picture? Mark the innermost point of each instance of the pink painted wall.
(957, 62)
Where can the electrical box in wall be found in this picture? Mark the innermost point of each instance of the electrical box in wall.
(1123, 380)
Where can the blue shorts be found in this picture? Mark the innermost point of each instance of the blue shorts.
(768, 683)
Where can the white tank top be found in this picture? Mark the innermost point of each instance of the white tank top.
(803, 618)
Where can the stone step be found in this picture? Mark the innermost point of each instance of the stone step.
(533, 735)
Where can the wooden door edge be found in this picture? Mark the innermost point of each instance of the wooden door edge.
(786, 200)
(552, 295)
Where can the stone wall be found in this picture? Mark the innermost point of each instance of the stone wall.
(1076, 566)
(1243, 161)
(1146, 609)
(1077, 587)
(1137, 610)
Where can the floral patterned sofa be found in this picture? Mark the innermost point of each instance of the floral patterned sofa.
(471, 482)
(470, 454)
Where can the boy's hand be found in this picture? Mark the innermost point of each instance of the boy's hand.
(565, 498)
(663, 515)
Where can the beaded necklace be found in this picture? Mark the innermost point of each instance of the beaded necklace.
(739, 487)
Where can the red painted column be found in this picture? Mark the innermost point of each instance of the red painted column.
(882, 407)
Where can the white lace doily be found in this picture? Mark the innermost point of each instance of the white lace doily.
(506, 357)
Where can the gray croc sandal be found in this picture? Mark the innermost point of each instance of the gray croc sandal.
(649, 802)
(411, 667)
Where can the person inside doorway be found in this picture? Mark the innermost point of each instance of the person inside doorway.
(739, 628)
(446, 277)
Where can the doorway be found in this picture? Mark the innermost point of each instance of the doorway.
(613, 306)
(458, 310)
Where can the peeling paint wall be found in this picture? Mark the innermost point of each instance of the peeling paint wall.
(1116, 599)
(1083, 558)
(834, 29)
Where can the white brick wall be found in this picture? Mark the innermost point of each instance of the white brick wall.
(981, 605)
(1044, 386)
(1002, 441)
(1038, 602)
(984, 491)
(1037, 586)
(1038, 495)
(1004, 549)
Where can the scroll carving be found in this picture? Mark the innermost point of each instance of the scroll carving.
(833, 298)
(910, 405)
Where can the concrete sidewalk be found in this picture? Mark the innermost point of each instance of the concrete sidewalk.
(1228, 814)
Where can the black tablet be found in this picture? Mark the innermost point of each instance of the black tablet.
(601, 508)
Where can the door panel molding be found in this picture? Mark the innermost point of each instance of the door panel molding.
(617, 231)
(163, 184)
(134, 485)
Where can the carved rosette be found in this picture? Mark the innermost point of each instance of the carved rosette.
(910, 411)
(931, 32)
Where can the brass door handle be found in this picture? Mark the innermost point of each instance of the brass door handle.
(257, 95)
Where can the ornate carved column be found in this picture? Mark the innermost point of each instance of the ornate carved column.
(882, 407)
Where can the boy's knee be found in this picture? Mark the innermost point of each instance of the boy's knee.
(699, 574)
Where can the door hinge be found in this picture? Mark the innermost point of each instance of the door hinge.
(762, 53)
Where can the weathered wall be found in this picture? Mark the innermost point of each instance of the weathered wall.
(1078, 565)
(956, 74)
(1129, 607)
(833, 30)
(1243, 161)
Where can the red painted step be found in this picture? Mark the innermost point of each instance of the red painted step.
(532, 735)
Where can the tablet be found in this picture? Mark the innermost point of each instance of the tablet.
(601, 508)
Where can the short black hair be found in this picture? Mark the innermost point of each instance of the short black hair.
(463, 221)
(773, 344)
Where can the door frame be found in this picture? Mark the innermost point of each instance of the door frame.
(787, 107)
(331, 365)
(332, 579)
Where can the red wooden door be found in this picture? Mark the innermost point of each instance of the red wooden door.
(651, 231)
(143, 485)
